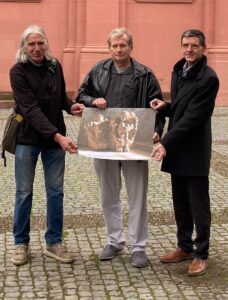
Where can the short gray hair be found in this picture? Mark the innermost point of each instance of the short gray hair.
(119, 32)
(21, 55)
(195, 33)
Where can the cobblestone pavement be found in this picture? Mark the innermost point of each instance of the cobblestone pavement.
(84, 234)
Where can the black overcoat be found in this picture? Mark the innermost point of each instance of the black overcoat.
(188, 140)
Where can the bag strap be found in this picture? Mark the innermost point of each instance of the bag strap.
(3, 154)
(47, 79)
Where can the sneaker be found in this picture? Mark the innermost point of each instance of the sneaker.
(20, 255)
(175, 256)
(109, 252)
(139, 259)
(59, 252)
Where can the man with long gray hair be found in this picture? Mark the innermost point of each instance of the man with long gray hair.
(39, 91)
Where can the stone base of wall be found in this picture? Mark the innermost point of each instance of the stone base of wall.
(6, 100)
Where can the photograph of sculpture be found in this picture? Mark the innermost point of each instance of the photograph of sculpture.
(116, 133)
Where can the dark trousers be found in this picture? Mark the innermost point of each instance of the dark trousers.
(191, 203)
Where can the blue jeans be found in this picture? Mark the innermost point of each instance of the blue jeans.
(53, 161)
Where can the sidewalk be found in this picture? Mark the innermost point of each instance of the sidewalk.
(84, 234)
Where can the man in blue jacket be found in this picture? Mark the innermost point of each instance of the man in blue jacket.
(186, 150)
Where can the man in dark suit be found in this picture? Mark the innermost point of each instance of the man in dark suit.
(186, 150)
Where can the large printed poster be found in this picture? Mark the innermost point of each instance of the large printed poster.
(117, 133)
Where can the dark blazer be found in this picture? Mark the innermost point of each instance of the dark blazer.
(188, 140)
(42, 117)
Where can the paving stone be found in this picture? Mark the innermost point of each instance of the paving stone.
(85, 236)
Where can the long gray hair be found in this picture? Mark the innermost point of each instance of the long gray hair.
(21, 55)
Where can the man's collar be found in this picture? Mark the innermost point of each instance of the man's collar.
(34, 63)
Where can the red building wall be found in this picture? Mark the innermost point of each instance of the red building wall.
(78, 29)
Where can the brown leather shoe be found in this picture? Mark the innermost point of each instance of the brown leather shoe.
(176, 256)
(198, 267)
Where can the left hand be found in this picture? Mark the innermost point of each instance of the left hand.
(155, 137)
(66, 143)
(77, 108)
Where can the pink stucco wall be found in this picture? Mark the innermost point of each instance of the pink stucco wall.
(77, 31)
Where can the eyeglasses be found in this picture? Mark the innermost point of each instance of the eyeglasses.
(36, 44)
(192, 46)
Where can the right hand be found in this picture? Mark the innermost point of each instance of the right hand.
(158, 152)
(157, 104)
(100, 103)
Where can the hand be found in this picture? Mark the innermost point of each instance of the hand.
(100, 103)
(157, 104)
(158, 152)
(76, 109)
(66, 143)
(155, 137)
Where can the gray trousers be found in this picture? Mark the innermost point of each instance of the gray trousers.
(136, 179)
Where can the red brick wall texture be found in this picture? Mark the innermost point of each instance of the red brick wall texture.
(78, 29)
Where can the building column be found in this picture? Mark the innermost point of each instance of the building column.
(76, 40)
(209, 22)
(101, 18)
(215, 18)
